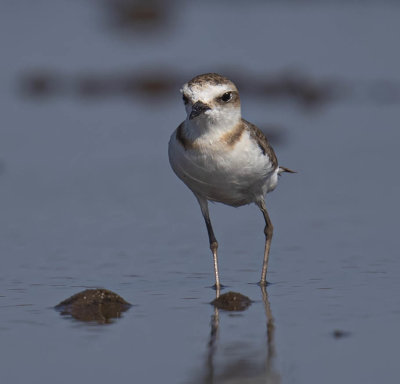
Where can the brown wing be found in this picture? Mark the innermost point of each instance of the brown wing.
(262, 142)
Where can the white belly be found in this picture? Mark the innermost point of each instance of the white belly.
(235, 175)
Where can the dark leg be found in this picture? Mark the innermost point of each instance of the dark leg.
(213, 241)
(268, 230)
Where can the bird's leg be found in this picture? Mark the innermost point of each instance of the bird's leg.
(213, 241)
(214, 248)
(268, 231)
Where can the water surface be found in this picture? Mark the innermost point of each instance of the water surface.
(87, 199)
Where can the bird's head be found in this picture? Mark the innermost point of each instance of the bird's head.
(211, 98)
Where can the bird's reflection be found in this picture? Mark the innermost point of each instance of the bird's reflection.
(212, 342)
(270, 329)
(242, 362)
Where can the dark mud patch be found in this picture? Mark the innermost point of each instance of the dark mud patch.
(304, 90)
(148, 84)
(232, 301)
(94, 305)
(41, 83)
(132, 16)
(340, 334)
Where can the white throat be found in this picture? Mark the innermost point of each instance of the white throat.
(212, 126)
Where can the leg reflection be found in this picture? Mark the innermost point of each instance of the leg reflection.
(212, 341)
(269, 369)
(237, 354)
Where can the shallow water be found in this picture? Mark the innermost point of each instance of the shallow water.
(87, 199)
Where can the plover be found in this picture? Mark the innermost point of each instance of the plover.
(222, 157)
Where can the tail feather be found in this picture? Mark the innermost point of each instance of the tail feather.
(284, 169)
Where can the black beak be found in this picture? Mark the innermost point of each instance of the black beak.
(197, 109)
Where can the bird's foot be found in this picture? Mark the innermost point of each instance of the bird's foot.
(263, 283)
(216, 287)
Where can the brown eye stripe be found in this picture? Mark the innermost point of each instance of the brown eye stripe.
(234, 98)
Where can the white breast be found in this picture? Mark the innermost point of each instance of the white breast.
(235, 175)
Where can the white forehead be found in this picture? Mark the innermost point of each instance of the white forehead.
(205, 92)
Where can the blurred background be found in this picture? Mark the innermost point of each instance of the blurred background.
(89, 97)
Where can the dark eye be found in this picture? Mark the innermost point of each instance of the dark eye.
(226, 96)
(185, 99)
